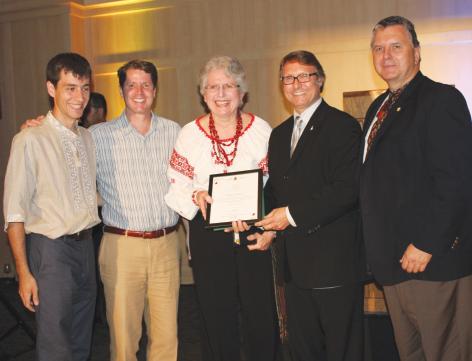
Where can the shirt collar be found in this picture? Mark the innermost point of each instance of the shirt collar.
(308, 112)
(124, 124)
(61, 128)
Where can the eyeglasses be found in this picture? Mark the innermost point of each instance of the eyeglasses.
(302, 78)
(215, 88)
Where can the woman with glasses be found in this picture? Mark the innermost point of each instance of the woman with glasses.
(230, 278)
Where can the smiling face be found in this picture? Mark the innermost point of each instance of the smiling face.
(71, 95)
(138, 92)
(395, 58)
(222, 94)
(301, 95)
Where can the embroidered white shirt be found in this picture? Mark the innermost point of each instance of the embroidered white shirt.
(50, 180)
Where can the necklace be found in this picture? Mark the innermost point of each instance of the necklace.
(224, 150)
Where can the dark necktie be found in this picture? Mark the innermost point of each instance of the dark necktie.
(381, 115)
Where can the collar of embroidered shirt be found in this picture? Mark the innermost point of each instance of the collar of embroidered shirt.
(61, 128)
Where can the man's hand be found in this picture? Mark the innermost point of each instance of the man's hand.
(28, 290)
(203, 198)
(31, 123)
(263, 241)
(414, 260)
(275, 220)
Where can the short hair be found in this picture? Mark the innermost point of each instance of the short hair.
(397, 20)
(138, 64)
(231, 66)
(306, 58)
(96, 101)
(67, 62)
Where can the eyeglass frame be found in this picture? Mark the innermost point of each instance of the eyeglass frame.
(225, 87)
(309, 75)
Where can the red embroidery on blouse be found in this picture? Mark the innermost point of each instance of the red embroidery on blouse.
(264, 165)
(180, 164)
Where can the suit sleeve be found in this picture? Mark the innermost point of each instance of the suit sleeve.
(340, 194)
(448, 152)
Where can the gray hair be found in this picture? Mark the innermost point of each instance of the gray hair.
(231, 66)
(397, 20)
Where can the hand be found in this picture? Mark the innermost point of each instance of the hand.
(238, 226)
(263, 241)
(203, 198)
(414, 260)
(28, 290)
(275, 220)
(31, 123)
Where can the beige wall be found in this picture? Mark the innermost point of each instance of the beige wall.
(179, 35)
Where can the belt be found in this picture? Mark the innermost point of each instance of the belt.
(140, 234)
(80, 236)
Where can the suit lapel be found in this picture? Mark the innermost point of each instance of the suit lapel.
(285, 141)
(394, 113)
(311, 130)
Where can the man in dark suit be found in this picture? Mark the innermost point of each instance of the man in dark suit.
(416, 200)
(313, 194)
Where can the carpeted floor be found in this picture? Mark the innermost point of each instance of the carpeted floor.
(17, 345)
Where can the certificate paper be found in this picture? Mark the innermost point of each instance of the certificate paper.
(236, 196)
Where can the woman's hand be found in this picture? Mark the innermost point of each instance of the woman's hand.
(238, 226)
(202, 198)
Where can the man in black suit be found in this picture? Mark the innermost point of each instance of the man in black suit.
(313, 194)
(416, 200)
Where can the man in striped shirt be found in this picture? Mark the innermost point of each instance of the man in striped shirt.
(139, 254)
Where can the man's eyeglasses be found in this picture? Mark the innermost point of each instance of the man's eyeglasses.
(226, 87)
(302, 78)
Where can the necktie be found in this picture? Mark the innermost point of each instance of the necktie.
(297, 132)
(381, 115)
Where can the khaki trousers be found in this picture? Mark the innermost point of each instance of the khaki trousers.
(141, 277)
(432, 321)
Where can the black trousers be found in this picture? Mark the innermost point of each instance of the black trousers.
(64, 270)
(231, 280)
(326, 324)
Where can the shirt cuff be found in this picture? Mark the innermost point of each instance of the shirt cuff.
(289, 217)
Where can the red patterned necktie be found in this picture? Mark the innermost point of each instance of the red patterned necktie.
(381, 115)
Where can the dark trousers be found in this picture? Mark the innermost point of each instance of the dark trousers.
(64, 270)
(327, 324)
(229, 279)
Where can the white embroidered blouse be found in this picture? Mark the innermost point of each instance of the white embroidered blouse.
(191, 162)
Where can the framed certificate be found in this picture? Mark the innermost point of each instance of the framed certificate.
(236, 196)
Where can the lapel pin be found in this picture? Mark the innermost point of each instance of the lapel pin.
(312, 127)
(399, 108)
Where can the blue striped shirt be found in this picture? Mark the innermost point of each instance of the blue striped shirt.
(131, 173)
